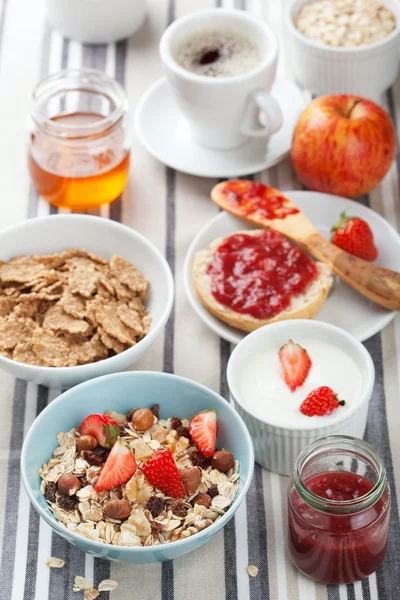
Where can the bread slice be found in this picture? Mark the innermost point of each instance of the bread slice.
(305, 306)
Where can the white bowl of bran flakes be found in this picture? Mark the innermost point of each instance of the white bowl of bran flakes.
(347, 50)
(114, 246)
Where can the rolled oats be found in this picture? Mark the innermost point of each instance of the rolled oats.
(252, 570)
(82, 583)
(107, 585)
(346, 23)
(91, 594)
(55, 563)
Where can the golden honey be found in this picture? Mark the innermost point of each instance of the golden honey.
(78, 159)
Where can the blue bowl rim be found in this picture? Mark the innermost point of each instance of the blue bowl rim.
(54, 524)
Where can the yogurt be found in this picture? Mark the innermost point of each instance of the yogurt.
(265, 394)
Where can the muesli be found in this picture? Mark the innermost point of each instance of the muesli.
(138, 480)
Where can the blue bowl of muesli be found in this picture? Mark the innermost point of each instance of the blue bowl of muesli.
(94, 435)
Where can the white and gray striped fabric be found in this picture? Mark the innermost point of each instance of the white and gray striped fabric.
(168, 208)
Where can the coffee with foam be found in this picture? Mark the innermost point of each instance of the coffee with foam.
(217, 52)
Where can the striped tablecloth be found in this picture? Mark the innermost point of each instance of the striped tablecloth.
(169, 208)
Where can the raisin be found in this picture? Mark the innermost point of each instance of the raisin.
(156, 528)
(155, 505)
(103, 452)
(183, 432)
(155, 409)
(175, 422)
(124, 430)
(179, 509)
(83, 481)
(50, 493)
(199, 460)
(95, 457)
(67, 502)
(213, 491)
(130, 413)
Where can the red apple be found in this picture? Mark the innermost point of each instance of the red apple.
(343, 145)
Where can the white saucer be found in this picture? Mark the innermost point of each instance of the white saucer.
(165, 133)
(345, 307)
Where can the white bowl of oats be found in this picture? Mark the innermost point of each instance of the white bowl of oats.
(138, 467)
(344, 46)
(80, 297)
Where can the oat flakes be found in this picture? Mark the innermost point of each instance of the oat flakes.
(347, 23)
(107, 585)
(55, 563)
(82, 584)
(91, 594)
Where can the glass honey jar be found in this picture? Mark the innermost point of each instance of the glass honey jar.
(79, 151)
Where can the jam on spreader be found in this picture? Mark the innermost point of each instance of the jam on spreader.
(338, 534)
(259, 274)
(253, 196)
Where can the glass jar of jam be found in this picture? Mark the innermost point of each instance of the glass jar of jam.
(78, 154)
(338, 510)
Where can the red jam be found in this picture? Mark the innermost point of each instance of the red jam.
(253, 196)
(258, 275)
(332, 547)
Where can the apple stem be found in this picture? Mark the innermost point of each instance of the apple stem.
(353, 107)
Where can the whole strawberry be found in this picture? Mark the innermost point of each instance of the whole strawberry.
(354, 235)
(161, 471)
(321, 401)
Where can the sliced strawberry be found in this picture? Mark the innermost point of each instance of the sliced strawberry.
(296, 364)
(119, 468)
(102, 427)
(321, 401)
(161, 471)
(204, 429)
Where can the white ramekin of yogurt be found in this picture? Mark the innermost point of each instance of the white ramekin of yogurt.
(271, 410)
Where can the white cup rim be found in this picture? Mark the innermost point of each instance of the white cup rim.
(297, 4)
(169, 33)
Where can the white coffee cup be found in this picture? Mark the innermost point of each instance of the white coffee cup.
(224, 112)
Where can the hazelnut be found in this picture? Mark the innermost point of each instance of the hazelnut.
(142, 419)
(86, 442)
(203, 499)
(118, 509)
(223, 461)
(191, 478)
(68, 484)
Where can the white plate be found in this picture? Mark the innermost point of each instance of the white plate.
(344, 307)
(165, 134)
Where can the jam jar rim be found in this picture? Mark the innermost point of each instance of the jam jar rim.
(340, 507)
(85, 78)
